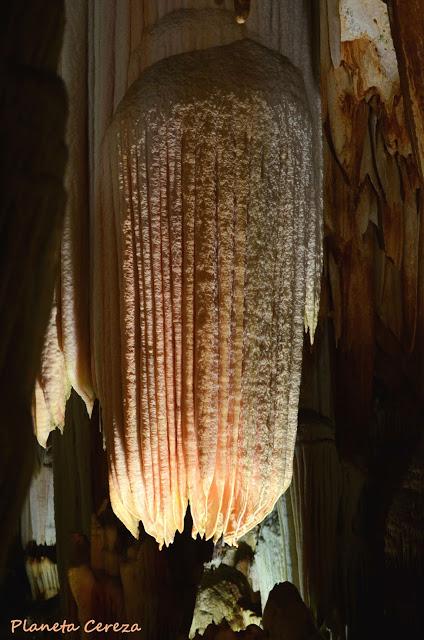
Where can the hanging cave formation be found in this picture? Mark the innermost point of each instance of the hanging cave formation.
(212, 312)
(203, 292)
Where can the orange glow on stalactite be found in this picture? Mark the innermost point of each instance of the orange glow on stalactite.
(206, 270)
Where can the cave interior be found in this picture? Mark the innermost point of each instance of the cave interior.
(212, 312)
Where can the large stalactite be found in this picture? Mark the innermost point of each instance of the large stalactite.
(371, 300)
(123, 40)
(120, 41)
(207, 269)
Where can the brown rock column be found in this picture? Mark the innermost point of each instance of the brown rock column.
(407, 26)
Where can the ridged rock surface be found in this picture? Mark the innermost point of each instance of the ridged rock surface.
(65, 359)
(52, 387)
(206, 270)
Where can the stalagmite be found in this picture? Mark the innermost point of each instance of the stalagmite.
(217, 602)
(286, 615)
(225, 593)
(206, 270)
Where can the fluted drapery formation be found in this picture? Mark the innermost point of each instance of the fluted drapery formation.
(52, 388)
(106, 47)
(206, 270)
(65, 360)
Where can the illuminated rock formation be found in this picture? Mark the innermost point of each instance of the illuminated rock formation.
(52, 386)
(65, 360)
(207, 268)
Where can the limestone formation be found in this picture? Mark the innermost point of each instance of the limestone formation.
(206, 270)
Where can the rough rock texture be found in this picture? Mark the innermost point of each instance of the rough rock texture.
(74, 284)
(225, 594)
(52, 387)
(372, 213)
(373, 295)
(182, 31)
(110, 44)
(65, 361)
(407, 26)
(207, 268)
